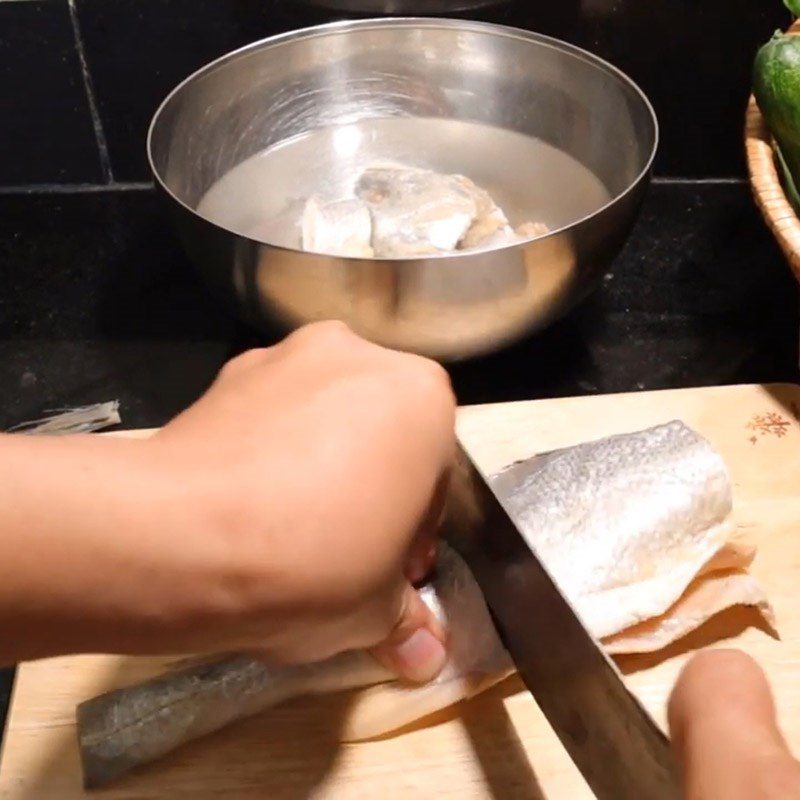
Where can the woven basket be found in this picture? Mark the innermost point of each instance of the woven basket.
(766, 183)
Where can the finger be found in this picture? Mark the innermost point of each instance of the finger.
(421, 559)
(415, 649)
(323, 337)
(725, 732)
(422, 555)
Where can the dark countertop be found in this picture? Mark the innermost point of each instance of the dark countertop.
(99, 303)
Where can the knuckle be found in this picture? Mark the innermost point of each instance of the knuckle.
(438, 375)
(389, 612)
(327, 332)
(436, 390)
(398, 609)
(418, 391)
(242, 362)
(430, 378)
(333, 328)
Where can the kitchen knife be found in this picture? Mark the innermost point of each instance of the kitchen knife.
(618, 748)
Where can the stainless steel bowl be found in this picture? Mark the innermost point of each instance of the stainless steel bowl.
(448, 307)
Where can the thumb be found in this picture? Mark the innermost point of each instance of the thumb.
(415, 648)
(725, 732)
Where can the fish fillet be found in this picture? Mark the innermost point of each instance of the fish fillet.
(634, 529)
(625, 545)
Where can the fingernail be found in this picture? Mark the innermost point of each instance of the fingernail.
(420, 657)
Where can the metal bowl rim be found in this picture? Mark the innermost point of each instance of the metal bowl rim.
(412, 22)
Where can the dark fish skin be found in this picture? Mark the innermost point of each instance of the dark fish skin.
(122, 729)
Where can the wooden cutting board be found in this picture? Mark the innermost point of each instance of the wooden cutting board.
(498, 745)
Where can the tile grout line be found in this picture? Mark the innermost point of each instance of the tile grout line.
(97, 123)
(75, 188)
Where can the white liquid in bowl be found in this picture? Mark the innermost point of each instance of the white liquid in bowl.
(263, 197)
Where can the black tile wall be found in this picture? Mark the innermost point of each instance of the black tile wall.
(139, 49)
(46, 132)
(692, 58)
(97, 284)
(102, 265)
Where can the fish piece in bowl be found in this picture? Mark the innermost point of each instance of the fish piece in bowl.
(412, 212)
(337, 227)
(416, 211)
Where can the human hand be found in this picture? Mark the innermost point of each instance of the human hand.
(315, 472)
(725, 733)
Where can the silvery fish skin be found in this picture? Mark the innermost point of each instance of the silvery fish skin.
(626, 512)
(591, 512)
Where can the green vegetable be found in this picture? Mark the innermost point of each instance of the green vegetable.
(776, 86)
(793, 6)
(788, 181)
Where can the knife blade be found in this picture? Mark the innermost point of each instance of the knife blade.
(617, 746)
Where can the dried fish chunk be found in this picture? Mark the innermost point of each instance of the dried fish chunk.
(529, 230)
(489, 223)
(408, 212)
(337, 228)
(415, 211)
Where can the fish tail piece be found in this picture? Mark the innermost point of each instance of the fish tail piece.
(135, 725)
